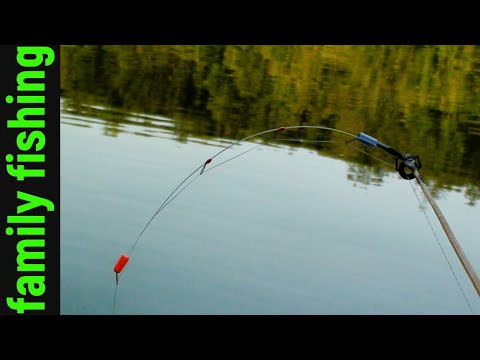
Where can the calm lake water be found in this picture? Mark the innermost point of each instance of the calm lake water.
(287, 228)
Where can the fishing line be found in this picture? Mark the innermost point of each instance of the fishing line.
(167, 201)
(115, 298)
(367, 153)
(441, 247)
(203, 166)
(340, 142)
(124, 259)
(172, 195)
(313, 141)
(170, 198)
(282, 129)
(234, 157)
(160, 208)
(165, 204)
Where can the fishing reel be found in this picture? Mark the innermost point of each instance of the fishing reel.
(411, 162)
(402, 162)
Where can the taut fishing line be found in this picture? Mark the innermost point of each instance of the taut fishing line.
(402, 163)
(124, 258)
(441, 248)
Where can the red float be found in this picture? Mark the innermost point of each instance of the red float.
(122, 261)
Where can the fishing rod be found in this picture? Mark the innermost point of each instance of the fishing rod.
(406, 165)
